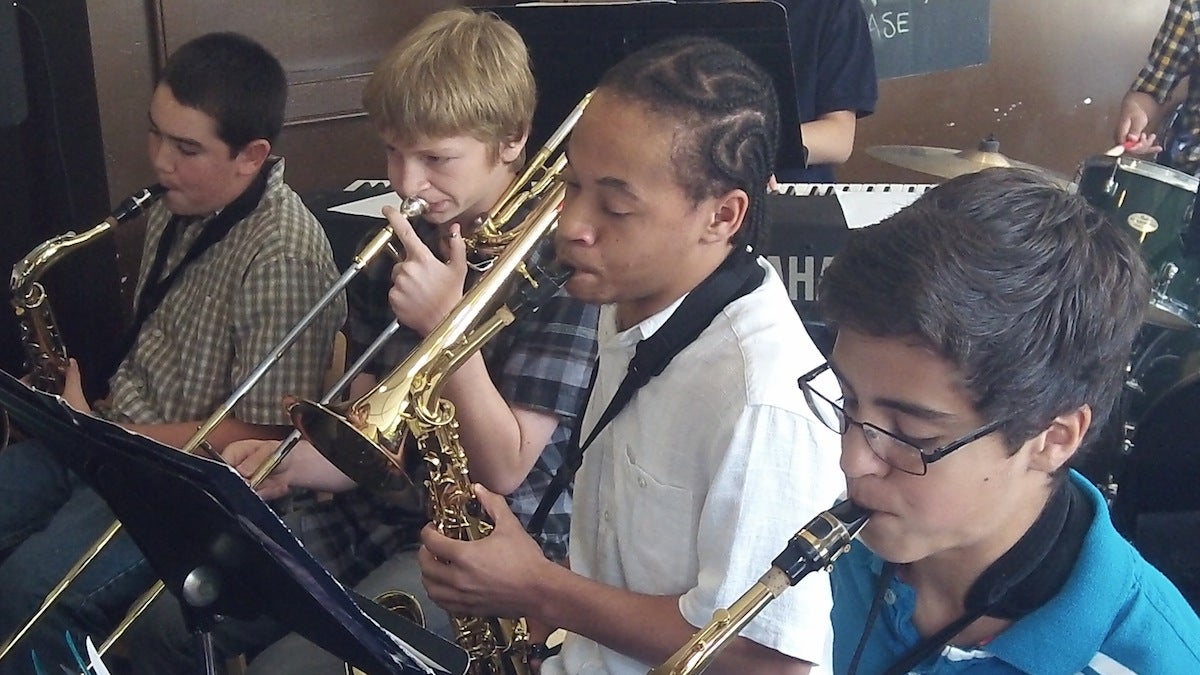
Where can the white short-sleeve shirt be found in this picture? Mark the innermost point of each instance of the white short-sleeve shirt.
(701, 480)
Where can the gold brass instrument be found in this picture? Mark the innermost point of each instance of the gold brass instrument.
(381, 241)
(365, 438)
(366, 443)
(400, 603)
(45, 353)
(815, 546)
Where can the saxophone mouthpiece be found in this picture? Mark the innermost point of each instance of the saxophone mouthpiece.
(822, 540)
(137, 202)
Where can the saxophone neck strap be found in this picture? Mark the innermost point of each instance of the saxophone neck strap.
(739, 274)
(1021, 580)
(157, 284)
(156, 287)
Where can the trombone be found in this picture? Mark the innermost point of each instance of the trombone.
(364, 439)
(489, 238)
(382, 240)
(269, 464)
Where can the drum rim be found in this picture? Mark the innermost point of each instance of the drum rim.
(1142, 167)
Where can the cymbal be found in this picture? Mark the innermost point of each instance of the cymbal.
(948, 162)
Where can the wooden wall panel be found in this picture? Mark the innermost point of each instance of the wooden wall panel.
(1049, 91)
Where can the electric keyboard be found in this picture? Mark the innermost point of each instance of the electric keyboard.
(808, 223)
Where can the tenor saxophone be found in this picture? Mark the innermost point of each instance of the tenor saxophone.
(815, 546)
(45, 352)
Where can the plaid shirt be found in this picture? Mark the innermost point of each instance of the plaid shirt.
(226, 311)
(542, 362)
(1172, 58)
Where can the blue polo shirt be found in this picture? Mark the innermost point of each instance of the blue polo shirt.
(1115, 614)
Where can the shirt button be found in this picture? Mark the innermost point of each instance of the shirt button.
(889, 596)
(607, 516)
(641, 481)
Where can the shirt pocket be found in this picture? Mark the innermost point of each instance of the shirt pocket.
(656, 522)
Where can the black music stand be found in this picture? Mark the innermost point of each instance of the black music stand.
(217, 546)
(571, 46)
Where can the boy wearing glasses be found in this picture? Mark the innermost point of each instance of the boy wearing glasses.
(982, 338)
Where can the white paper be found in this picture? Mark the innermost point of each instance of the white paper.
(371, 207)
(95, 664)
(867, 208)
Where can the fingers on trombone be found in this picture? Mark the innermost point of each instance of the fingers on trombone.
(409, 241)
(455, 248)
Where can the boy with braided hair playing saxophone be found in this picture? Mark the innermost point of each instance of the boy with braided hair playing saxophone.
(694, 486)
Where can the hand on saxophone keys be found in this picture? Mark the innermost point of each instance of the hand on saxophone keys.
(73, 388)
(492, 576)
(425, 287)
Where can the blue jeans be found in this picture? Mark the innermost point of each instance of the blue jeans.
(48, 519)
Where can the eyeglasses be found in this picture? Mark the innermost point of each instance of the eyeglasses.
(893, 450)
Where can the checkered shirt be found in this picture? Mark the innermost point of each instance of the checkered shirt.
(226, 311)
(1173, 57)
(543, 362)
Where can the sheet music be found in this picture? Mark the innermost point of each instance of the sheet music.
(372, 207)
(867, 208)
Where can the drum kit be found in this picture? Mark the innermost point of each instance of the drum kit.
(1150, 450)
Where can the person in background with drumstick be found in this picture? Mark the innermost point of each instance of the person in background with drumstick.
(982, 336)
(1173, 58)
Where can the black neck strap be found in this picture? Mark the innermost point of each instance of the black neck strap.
(1022, 579)
(157, 285)
(739, 274)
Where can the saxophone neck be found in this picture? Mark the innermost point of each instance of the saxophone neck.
(31, 268)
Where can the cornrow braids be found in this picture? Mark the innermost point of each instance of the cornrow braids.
(726, 118)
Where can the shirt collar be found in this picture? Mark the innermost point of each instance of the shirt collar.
(645, 328)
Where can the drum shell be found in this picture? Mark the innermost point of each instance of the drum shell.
(1157, 500)
(1161, 468)
(1154, 204)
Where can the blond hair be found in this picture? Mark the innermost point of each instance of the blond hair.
(457, 73)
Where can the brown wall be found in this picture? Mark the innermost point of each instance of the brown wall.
(1055, 76)
(1049, 91)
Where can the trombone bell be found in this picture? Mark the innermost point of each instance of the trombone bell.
(370, 458)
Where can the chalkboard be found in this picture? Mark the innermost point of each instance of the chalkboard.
(923, 36)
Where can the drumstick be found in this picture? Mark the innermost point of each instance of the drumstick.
(1117, 150)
